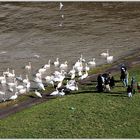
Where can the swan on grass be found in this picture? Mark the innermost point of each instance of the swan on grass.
(41, 86)
(54, 93)
(59, 84)
(38, 94)
(72, 85)
(61, 93)
(86, 68)
(84, 76)
(13, 97)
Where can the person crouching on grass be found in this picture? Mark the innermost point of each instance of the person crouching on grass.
(129, 91)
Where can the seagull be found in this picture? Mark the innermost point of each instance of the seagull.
(62, 16)
(60, 6)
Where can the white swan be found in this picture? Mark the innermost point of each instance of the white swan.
(56, 63)
(12, 84)
(19, 87)
(84, 76)
(72, 76)
(92, 63)
(22, 91)
(26, 80)
(72, 85)
(86, 67)
(64, 66)
(105, 54)
(42, 70)
(54, 92)
(109, 59)
(82, 59)
(6, 72)
(41, 86)
(13, 97)
(38, 94)
(59, 84)
(28, 67)
(38, 75)
(46, 66)
(2, 93)
(72, 71)
(11, 75)
(2, 77)
(61, 93)
(19, 78)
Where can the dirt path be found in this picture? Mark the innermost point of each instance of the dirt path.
(130, 62)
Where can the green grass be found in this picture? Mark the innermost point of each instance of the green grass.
(83, 114)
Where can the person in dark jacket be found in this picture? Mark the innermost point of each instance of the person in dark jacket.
(100, 83)
(133, 85)
(129, 91)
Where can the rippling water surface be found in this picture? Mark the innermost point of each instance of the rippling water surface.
(32, 28)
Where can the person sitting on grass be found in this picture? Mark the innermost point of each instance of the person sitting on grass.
(129, 91)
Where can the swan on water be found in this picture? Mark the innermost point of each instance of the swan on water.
(105, 54)
(28, 67)
(11, 75)
(64, 66)
(82, 59)
(46, 66)
(56, 63)
(92, 63)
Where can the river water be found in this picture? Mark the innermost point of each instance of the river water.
(89, 28)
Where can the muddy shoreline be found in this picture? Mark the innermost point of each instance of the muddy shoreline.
(129, 62)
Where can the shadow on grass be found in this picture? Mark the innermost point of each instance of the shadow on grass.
(115, 94)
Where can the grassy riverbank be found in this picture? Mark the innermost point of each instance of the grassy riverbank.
(84, 114)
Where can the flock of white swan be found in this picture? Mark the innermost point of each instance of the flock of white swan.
(13, 85)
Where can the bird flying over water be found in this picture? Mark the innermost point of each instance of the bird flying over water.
(61, 5)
